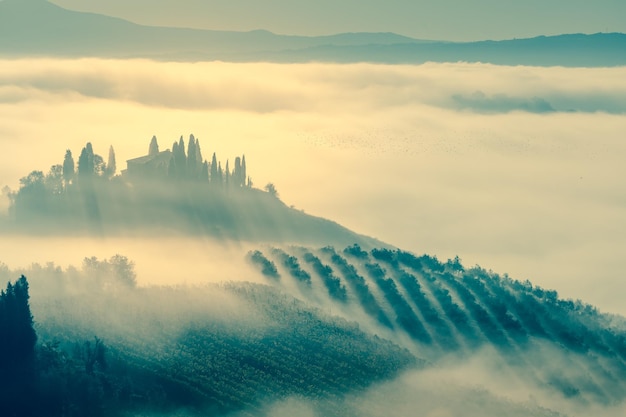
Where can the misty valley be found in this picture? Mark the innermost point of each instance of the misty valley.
(321, 321)
(407, 209)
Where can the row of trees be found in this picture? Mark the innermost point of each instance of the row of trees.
(90, 165)
(89, 186)
(189, 164)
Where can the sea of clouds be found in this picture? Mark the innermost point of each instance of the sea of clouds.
(518, 169)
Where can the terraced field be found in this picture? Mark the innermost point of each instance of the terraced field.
(441, 310)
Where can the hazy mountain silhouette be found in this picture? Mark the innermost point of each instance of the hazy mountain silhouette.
(39, 28)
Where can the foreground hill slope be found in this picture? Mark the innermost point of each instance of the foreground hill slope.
(108, 348)
(212, 350)
(39, 28)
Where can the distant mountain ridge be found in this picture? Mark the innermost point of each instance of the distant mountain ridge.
(40, 28)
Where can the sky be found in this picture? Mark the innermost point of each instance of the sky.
(444, 159)
(457, 20)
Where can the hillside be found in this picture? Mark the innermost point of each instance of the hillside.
(108, 348)
(168, 192)
(39, 28)
(211, 350)
(442, 310)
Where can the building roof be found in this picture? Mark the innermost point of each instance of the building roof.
(164, 156)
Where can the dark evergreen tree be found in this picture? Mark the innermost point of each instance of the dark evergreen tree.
(68, 167)
(86, 161)
(192, 163)
(244, 174)
(199, 158)
(181, 159)
(111, 164)
(154, 147)
(237, 178)
(17, 350)
(172, 169)
(213, 177)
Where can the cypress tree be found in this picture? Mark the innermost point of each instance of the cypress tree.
(227, 176)
(213, 177)
(86, 161)
(154, 147)
(17, 349)
(199, 158)
(68, 167)
(192, 167)
(181, 159)
(244, 174)
(111, 165)
(237, 172)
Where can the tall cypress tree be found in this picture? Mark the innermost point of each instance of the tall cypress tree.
(181, 159)
(68, 167)
(199, 159)
(213, 177)
(111, 165)
(244, 174)
(237, 172)
(154, 147)
(86, 161)
(192, 167)
(17, 349)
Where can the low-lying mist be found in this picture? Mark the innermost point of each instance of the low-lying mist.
(518, 169)
(166, 260)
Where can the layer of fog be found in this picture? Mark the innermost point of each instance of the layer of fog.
(171, 260)
(471, 387)
(431, 158)
(474, 388)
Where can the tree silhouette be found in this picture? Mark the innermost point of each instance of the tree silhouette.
(54, 180)
(17, 349)
(111, 165)
(244, 174)
(154, 147)
(271, 189)
(237, 173)
(199, 159)
(180, 159)
(99, 167)
(86, 161)
(192, 163)
(213, 176)
(68, 168)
